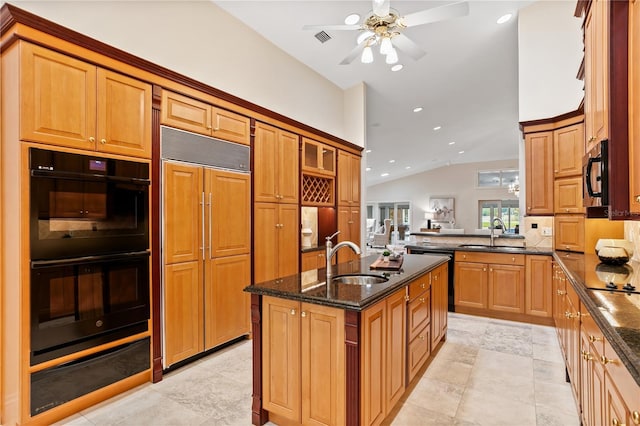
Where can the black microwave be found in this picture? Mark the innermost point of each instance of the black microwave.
(596, 184)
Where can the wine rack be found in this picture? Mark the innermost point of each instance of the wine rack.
(317, 190)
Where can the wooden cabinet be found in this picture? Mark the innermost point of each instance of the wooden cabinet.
(490, 281)
(569, 232)
(439, 303)
(538, 286)
(596, 63)
(303, 362)
(349, 227)
(568, 195)
(68, 102)
(572, 339)
(348, 178)
(539, 173)
(275, 165)
(189, 114)
(275, 241)
(591, 372)
(634, 106)
(314, 260)
(383, 336)
(318, 157)
(568, 150)
(207, 226)
(418, 325)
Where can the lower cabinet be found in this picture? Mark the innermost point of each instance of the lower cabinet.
(314, 260)
(418, 325)
(383, 343)
(303, 365)
(439, 303)
(538, 286)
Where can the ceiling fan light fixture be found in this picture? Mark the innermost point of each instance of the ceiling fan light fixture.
(363, 36)
(352, 19)
(392, 57)
(367, 55)
(385, 46)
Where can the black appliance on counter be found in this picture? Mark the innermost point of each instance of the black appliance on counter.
(438, 250)
(596, 180)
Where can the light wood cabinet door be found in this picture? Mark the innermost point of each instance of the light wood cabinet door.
(596, 60)
(185, 113)
(538, 286)
(228, 215)
(227, 306)
(396, 344)
(539, 173)
(348, 178)
(349, 227)
(323, 365)
(568, 150)
(418, 352)
(569, 232)
(314, 260)
(183, 311)
(373, 364)
(183, 213)
(419, 314)
(276, 165)
(265, 242)
(634, 105)
(288, 232)
(124, 115)
(57, 98)
(230, 126)
(318, 157)
(506, 288)
(568, 195)
(439, 303)
(281, 360)
(470, 285)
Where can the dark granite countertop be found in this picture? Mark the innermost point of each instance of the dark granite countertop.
(616, 313)
(444, 234)
(312, 248)
(435, 247)
(310, 286)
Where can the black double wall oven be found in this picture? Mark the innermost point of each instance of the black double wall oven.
(89, 243)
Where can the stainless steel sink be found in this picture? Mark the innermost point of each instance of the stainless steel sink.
(480, 246)
(359, 279)
(508, 248)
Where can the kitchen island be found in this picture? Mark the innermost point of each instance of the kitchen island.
(344, 353)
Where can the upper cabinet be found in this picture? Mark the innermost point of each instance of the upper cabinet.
(634, 106)
(275, 165)
(596, 73)
(189, 114)
(318, 157)
(318, 174)
(539, 173)
(348, 178)
(568, 150)
(67, 102)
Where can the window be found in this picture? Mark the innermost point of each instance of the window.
(507, 210)
(497, 178)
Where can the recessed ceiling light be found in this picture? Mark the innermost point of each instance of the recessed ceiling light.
(384, 175)
(417, 109)
(397, 67)
(504, 18)
(408, 167)
(392, 161)
(452, 143)
(460, 152)
(352, 19)
(368, 151)
(368, 169)
(437, 128)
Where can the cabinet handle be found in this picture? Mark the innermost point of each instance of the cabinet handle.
(423, 285)
(637, 198)
(209, 127)
(616, 422)
(202, 223)
(561, 293)
(421, 337)
(92, 139)
(293, 312)
(586, 356)
(635, 416)
(103, 141)
(422, 299)
(484, 269)
(406, 298)
(210, 225)
(513, 259)
(567, 210)
(604, 360)
(303, 314)
(592, 138)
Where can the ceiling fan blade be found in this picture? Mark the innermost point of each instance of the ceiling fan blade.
(331, 27)
(436, 14)
(405, 44)
(381, 8)
(353, 54)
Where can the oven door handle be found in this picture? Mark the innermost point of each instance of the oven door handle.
(590, 162)
(35, 264)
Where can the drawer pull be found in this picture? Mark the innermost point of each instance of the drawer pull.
(616, 422)
(421, 337)
(561, 293)
(636, 417)
(586, 356)
(423, 285)
(303, 314)
(604, 360)
(293, 312)
(594, 338)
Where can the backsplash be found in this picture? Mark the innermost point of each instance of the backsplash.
(632, 233)
(534, 236)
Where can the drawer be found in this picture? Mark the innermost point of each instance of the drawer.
(419, 285)
(484, 257)
(621, 378)
(419, 351)
(419, 314)
(593, 333)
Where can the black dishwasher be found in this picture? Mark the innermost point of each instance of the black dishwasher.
(441, 250)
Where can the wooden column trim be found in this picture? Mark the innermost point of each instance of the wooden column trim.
(156, 261)
(259, 415)
(352, 366)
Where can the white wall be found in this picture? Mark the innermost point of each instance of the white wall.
(458, 181)
(200, 40)
(550, 50)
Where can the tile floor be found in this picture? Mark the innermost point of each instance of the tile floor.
(488, 372)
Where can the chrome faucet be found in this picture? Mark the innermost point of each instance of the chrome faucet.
(331, 250)
(504, 228)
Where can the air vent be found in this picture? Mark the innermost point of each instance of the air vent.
(323, 37)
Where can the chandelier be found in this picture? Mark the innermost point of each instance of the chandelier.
(380, 31)
(514, 187)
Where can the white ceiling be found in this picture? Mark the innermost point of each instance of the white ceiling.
(467, 83)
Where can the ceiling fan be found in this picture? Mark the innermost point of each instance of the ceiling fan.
(383, 26)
